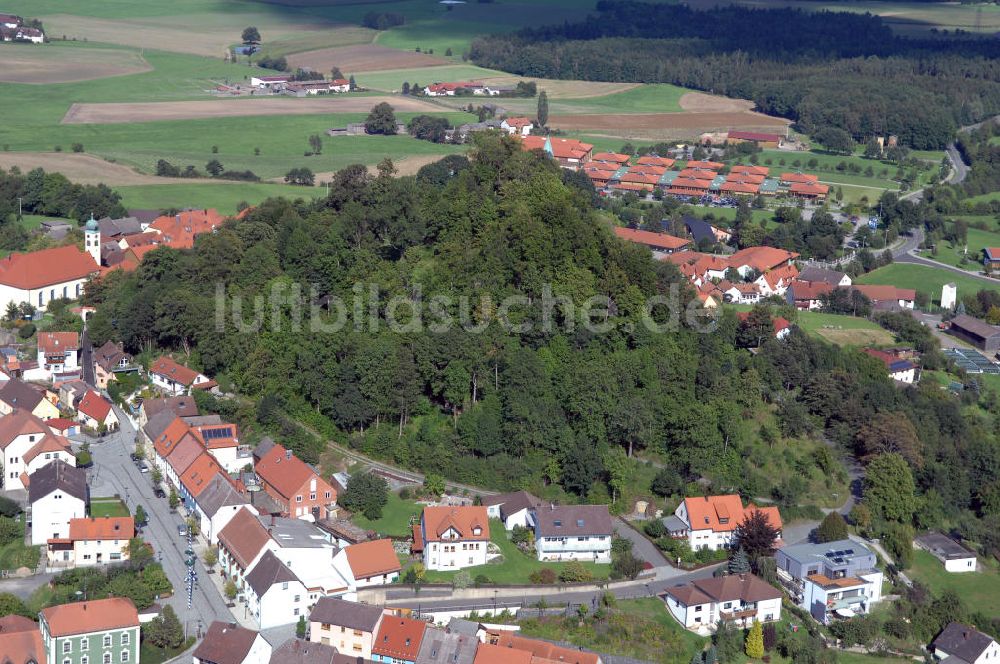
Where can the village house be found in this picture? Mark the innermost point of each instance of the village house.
(567, 152)
(513, 509)
(831, 580)
(347, 626)
(57, 494)
(782, 328)
(398, 640)
(57, 357)
(217, 504)
(21, 640)
(452, 537)
(888, 298)
(71, 393)
(660, 243)
(181, 406)
(110, 360)
(372, 563)
(807, 296)
(180, 459)
(736, 598)
(28, 445)
(274, 595)
(72, 632)
(900, 369)
(95, 412)
(93, 541)
(195, 479)
(41, 276)
(444, 646)
(710, 521)
(176, 379)
(180, 230)
(573, 532)
(15, 394)
(818, 275)
(959, 643)
(300, 491)
(220, 439)
(517, 126)
(955, 557)
(228, 643)
(162, 435)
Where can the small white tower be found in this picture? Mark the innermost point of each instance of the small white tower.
(92, 239)
(949, 295)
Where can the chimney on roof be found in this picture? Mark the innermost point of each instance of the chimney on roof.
(288, 454)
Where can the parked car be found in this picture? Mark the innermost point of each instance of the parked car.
(143, 467)
(159, 493)
(182, 530)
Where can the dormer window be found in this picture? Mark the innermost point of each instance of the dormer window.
(724, 520)
(477, 531)
(557, 523)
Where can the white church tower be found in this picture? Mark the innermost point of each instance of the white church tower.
(92, 239)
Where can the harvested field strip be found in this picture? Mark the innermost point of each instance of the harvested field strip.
(81, 168)
(364, 57)
(227, 108)
(42, 65)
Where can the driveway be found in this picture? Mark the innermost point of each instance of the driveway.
(114, 473)
(642, 548)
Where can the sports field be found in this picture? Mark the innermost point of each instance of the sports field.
(844, 330)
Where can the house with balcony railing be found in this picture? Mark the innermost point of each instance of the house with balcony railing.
(831, 580)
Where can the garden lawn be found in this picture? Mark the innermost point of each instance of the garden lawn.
(33, 221)
(926, 279)
(395, 519)
(516, 566)
(222, 197)
(108, 507)
(639, 628)
(844, 330)
(980, 591)
(15, 554)
(150, 654)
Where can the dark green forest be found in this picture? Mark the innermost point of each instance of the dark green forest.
(819, 69)
(532, 408)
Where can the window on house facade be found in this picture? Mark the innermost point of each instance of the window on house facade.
(124, 655)
(312, 496)
(298, 499)
(84, 644)
(327, 495)
(125, 638)
(107, 640)
(106, 659)
(66, 646)
(85, 660)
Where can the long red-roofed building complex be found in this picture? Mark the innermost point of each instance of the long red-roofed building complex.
(660, 243)
(761, 139)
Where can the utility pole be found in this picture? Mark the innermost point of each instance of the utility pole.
(19, 213)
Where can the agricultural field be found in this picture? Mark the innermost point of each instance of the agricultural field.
(844, 330)
(27, 64)
(361, 58)
(926, 279)
(222, 197)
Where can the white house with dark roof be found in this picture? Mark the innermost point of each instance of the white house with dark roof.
(217, 504)
(275, 596)
(955, 557)
(740, 599)
(574, 532)
(57, 493)
(961, 644)
(514, 509)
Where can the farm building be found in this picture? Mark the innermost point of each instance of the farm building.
(991, 256)
(277, 80)
(899, 368)
(977, 332)
(759, 139)
(955, 557)
(568, 152)
(660, 243)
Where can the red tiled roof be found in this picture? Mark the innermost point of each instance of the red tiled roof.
(184, 454)
(804, 290)
(697, 174)
(168, 368)
(761, 258)
(52, 343)
(612, 157)
(632, 186)
(102, 528)
(753, 136)
(48, 443)
(438, 520)
(200, 473)
(46, 267)
(95, 406)
(656, 161)
(710, 165)
(60, 424)
(641, 178)
(17, 423)
(750, 178)
(287, 474)
(739, 188)
(243, 537)
(373, 558)
(809, 189)
(166, 443)
(648, 169)
(179, 230)
(544, 649)
(778, 322)
(651, 239)
(20, 640)
(755, 170)
(562, 148)
(799, 177)
(491, 654)
(877, 293)
(724, 513)
(399, 638)
(91, 616)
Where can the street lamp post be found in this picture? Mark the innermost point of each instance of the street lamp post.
(495, 603)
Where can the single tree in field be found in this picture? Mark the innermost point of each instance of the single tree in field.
(352, 83)
(251, 35)
(335, 73)
(543, 109)
(756, 535)
(316, 143)
(214, 168)
(755, 641)
(832, 528)
(381, 120)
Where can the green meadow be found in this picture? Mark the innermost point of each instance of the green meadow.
(656, 98)
(926, 279)
(222, 197)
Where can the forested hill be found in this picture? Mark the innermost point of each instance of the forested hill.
(552, 410)
(817, 68)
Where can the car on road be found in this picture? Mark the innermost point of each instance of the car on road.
(143, 467)
(159, 493)
(182, 530)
